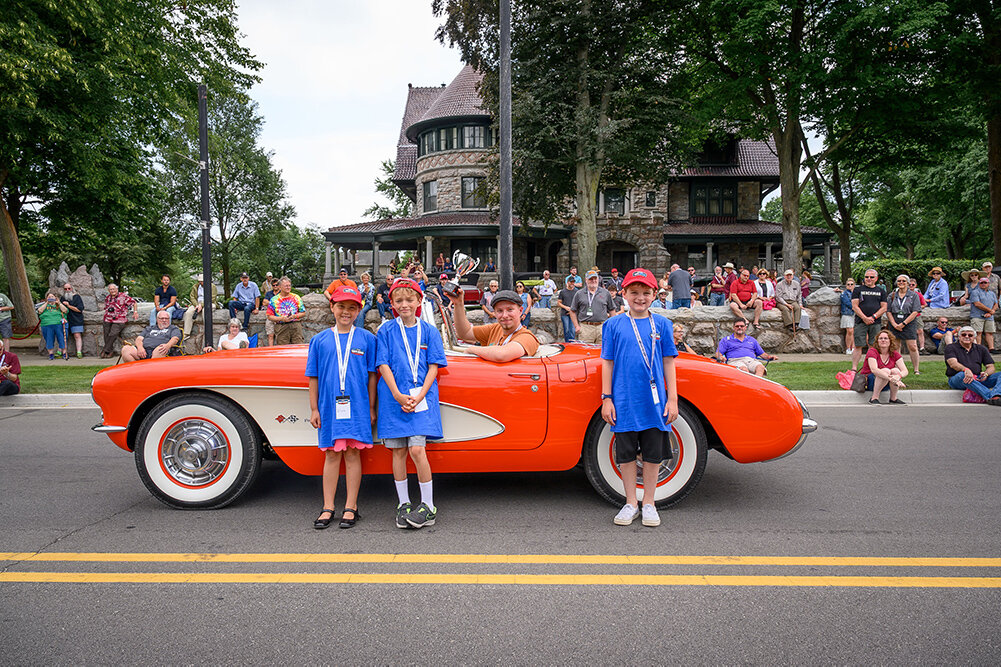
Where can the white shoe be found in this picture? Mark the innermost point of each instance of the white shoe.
(626, 515)
(650, 516)
(849, 352)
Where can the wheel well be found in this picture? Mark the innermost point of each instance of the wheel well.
(146, 406)
(712, 438)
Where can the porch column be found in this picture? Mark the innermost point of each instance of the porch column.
(337, 259)
(828, 273)
(428, 260)
(498, 252)
(328, 273)
(376, 269)
(354, 261)
(709, 257)
(768, 255)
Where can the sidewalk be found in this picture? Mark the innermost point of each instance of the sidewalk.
(35, 359)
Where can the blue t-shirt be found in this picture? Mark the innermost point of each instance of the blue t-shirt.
(986, 297)
(323, 364)
(936, 330)
(634, 406)
(731, 348)
(393, 421)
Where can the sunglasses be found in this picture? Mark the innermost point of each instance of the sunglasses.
(965, 335)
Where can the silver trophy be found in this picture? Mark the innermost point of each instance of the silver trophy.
(464, 264)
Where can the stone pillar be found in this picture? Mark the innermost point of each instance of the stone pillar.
(376, 269)
(428, 257)
(337, 259)
(498, 253)
(709, 258)
(828, 273)
(328, 273)
(768, 256)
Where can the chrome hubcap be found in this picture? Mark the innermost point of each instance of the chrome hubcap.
(194, 452)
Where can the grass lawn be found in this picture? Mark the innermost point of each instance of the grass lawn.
(797, 375)
(819, 375)
(57, 379)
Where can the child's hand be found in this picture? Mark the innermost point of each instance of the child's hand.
(402, 399)
(608, 412)
(671, 411)
(314, 418)
(374, 414)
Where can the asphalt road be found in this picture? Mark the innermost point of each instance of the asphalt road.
(764, 563)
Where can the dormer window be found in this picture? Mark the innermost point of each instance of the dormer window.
(714, 199)
(718, 153)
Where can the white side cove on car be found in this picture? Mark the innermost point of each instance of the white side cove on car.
(283, 415)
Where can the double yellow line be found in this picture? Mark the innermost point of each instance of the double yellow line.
(505, 578)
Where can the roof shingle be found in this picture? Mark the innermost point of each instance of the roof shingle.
(754, 158)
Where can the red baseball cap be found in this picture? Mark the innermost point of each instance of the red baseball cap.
(412, 284)
(641, 276)
(346, 293)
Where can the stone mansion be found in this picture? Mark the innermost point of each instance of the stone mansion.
(707, 214)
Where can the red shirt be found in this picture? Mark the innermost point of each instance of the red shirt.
(873, 354)
(744, 291)
(10, 359)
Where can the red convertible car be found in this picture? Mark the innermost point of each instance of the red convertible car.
(199, 426)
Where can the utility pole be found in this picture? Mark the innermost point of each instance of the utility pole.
(203, 166)
(506, 259)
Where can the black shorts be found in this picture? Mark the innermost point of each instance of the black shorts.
(652, 443)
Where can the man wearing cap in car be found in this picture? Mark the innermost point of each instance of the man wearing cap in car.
(503, 340)
(590, 308)
(969, 365)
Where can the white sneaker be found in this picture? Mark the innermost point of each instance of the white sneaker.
(650, 516)
(849, 352)
(626, 515)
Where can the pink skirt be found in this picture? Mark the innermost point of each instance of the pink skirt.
(342, 444)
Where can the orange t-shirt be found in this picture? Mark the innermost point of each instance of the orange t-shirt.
(493, 334)
(338, 282)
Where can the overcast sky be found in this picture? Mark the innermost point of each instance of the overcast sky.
(333, 91)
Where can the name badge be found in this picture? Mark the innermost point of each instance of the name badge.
(342, 407)
(423, 405)
(589, 312)
(653, 390)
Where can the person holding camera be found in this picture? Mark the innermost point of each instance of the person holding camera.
(50, 316)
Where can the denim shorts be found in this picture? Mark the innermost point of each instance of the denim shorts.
(78, 329)
(409, 441)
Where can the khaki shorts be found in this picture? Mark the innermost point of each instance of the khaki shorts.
(980, 325)
(746, 363)
(589, 333)
(269, 327)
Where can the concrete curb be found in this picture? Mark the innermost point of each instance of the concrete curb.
(810, 398)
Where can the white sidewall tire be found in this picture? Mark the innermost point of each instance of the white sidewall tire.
(692, 450)
(241, 452)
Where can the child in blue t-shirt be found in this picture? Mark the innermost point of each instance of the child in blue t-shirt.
(341, 365)
(409, 355)
(639, 392)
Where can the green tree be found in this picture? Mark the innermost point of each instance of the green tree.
(597, 92)
(293, 251)
(246, 192)
(400, 204)
(81, 77)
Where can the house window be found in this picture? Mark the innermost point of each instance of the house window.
(474, 136)
(714, 199)
(615, 201)
(473, 193)
(651, 199)
(446, 141)
(430, 196)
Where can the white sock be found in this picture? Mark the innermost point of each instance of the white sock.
(426, 496)
(402, 491)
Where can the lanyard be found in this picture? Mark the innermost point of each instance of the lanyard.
(508, 339)
(342, 359)
(590, 298)
(899, 303)
(413, 358)
(639, 341)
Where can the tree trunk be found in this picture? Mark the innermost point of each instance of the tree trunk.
(787, 145)
(13, 260)
(587, 237)
(994, 180)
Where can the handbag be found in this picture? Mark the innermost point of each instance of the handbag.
(767, 304)
(845, 379)
(858, 383)
(970, 396)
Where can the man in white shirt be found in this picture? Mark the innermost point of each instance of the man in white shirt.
(544, 292)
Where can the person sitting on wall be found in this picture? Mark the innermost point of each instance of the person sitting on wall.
(941, 334)
(744, 296)
(742, 351)
(155, 341)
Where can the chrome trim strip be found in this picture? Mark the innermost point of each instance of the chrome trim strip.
(101, 428)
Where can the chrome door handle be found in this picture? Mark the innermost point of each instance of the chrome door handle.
(533, 376)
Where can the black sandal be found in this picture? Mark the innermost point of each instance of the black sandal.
(320, 524)
(874, 401)
(348, 523)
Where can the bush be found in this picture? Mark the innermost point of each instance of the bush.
(889, 269)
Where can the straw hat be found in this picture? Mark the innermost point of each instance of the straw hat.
(936, 268)
(966, 274)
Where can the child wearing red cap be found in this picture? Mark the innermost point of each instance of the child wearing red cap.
(341, 367)
(639, 392)
(409, 354)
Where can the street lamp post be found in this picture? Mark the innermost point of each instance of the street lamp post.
(506, 260)
(203, 167)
